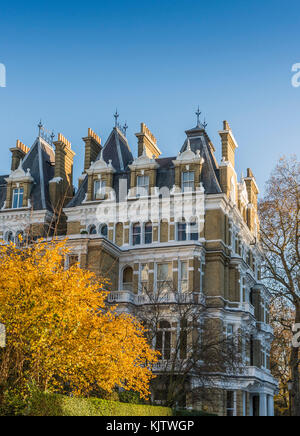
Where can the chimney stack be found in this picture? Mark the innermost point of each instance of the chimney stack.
(18, 153)
(92, 148)
(147, 142)
(61, 187)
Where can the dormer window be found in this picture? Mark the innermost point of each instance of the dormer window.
(188, 181)
(99, 189)
(18, 194)
(142, 186)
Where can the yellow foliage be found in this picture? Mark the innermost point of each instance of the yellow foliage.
(59, 330)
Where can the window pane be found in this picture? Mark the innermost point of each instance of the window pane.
(184, 271)
(167, 347)
(136, 234)
(142, 185)
(93, 230)
(99, 188)
(148, 234)
(164, 271)
(184, 276)
(104, 231)
(181, 230)
(17, 198)
(193, 230)
(188, 180)
(21, 192)
(144, 272)
(159, 341)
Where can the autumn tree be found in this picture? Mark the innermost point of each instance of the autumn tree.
(60, 333)
(281, 319)
(279, 218)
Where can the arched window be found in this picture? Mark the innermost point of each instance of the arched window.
(181, 231)
(127, 279)
(92, 230)
(163, 340)
(103, 230)
(136, 234)
(9, 237)
(193, 230)
(148, 233)
(19, 238)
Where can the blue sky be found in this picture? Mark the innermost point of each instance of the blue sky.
(72, 63)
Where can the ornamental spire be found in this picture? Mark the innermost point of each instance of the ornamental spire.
(116, 115)
(198, 113)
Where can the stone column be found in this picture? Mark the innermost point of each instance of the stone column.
(270, 405)
(263, 405)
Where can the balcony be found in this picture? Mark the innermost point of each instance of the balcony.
(241, 307)
(121, 297)
(261, 374)
(126, 296)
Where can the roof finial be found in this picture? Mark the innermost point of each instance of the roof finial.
(52, 137)
(125, 127)
(198, 113)
(204, 123)
(116, 115)
(40, 126)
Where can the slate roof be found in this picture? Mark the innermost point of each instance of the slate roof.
(199, 140)
(117, 150)
(2, 190)
(40, 161)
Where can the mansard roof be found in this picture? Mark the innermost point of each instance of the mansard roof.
(39, 161)
(117, 150)
(3, 184)
(198, 139)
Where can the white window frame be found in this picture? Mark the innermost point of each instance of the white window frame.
(181, 280)
(142, 186)
(177, 231)
(233, 409)
(144, 236)
(18, 195)
(142, 286)
(157, 284)
(188, 181)
(99, 192)
(134, 234)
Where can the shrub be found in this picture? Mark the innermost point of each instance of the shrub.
(46, 404)
(130, 397)
(12, 404)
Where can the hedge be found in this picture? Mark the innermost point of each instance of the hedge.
(46, 404)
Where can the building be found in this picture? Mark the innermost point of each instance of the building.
(176, 226)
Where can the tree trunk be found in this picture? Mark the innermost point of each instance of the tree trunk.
(294, 363)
